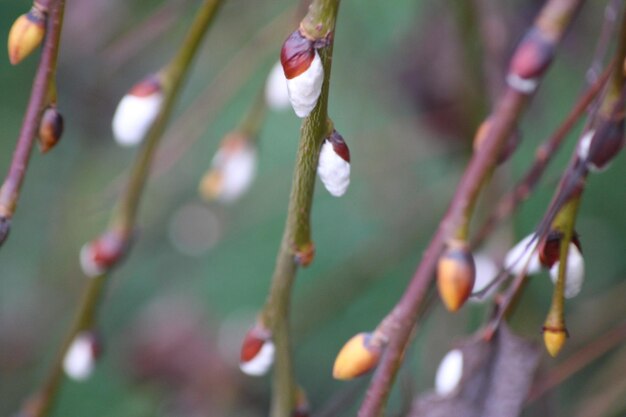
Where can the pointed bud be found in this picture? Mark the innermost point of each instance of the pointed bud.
(276, 92)
(521, 255)
(509, 147)
(232, 170)
(257, 351)
(575, 272)
(358, 356)
(449, 373)
(304, 71)
(456, 273)
(26, 35)
(50, 129)
(598, 147)
(305, 254)
(554, 339)
(137, 111)
(334, 165)
(5, 228)
(99, 256)
(531, 59)
(80, 358)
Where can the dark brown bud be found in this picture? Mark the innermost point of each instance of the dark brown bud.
(605, 144)
(50, 129)
(339, 145)
(549, 249)
(533, 55)
(296, 54)
(456, 273)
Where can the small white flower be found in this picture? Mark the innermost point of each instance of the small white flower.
(305, 89)
(449, 373)
(79, 361)
(521, 254)
(261, 363)
(136, 112)
(575, 273)
(276, 92)
(333, 170)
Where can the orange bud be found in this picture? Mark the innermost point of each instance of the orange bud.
(305, 255)
(26, 35)
(455, 275)
(50, 129)
(357, 357)
(554, 339)
(257, 351)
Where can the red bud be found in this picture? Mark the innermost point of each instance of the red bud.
(296, 54)
(339, 145)
(533, 55)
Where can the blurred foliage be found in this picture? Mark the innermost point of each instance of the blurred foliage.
(211, 283)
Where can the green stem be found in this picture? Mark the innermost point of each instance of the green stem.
(252, 121)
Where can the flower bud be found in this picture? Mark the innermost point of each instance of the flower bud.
(456, 273)
(26, 35)
(305, 254)
(509, 147)
(304, 71)
(137, 111)
(232, 170)
(449, 373)
(50, 129)
(257, 351)
(99, 256)
(358, 356)
(276, 92)
(80, 358)
(523, 255)
(530, 60)
(598, 147)
(334, 165)
(575, 272)
(554, 338)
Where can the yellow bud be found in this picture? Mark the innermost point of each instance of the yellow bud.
(358, 356)
(455, 275)
(26, 35)
(554, 339)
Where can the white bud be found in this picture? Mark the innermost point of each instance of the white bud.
(79, 361)
(449, 373)
(134, 116)
(232, 171)
(91, 268)
(521, 254)
(305, 89)
(523, 85)
(276, 92)
(575, 273)
(261, 363)
(486, 272)
(333, 170)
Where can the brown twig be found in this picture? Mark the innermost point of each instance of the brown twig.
(554, 20)
(40, 97)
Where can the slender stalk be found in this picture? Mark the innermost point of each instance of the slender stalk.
(40, 97)
(124, 216)
(553, 19)
(319, 23)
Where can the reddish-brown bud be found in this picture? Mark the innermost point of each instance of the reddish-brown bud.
(339, 145)
(358, 356)
(296, 54)
(103, 253)
(533, 55)
(549, 249)
(511, 145)
(50, 129)
(305, 254)
(257, 351)
(456, 273)
(597, 148)
(26, 35)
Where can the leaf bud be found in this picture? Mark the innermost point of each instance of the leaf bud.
(50, 129)
(26, 34)
(358, 356)
(456, 273)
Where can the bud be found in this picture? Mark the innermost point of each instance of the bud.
(80, 358)
(486, 273)
(26, 34)
(554, 339)
(456, 274)
(575, 272)
(257, 351)
(511, 145)
(522, 254)
(232, 170)
(449, 373)
(305, 255)
(604, 142)
(358, 356)
(50, 129)
(100, 255)
(530, 60)
(334, 165)
(276, 92)
(304, 71)
(137, 111)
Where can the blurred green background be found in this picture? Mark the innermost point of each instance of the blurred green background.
(175, 311)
